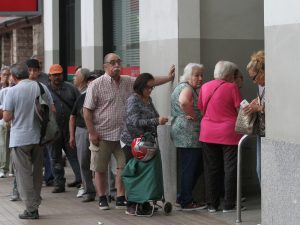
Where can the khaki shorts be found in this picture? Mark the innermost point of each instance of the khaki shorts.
(101, 158)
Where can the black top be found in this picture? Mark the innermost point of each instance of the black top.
(64, 98)
(77, 111)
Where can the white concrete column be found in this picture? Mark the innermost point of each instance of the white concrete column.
(169, 34)
(281, 148)
(92, 34)
(51, 32)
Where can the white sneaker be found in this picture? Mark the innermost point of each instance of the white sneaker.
(81, 192)
(243, 208)
(15, 196)
(2, 175)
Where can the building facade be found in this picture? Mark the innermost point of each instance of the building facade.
(152, 35)
(20, 38)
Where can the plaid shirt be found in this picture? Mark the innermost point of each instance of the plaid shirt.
(107, 101)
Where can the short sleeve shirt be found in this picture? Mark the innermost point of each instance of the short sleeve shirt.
(107, 100)
(78, 112)
(20, 101)
(218, 122)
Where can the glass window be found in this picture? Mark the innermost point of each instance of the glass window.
(126, 34)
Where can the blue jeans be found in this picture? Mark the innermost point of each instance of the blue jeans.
(48, 176)
(191, 169)
(57, 164)
(258, 158)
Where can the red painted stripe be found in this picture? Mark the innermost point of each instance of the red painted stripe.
(18, 5)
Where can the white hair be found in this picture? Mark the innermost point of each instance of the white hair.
(223, 69)
(188, 70)
(4, 67)
(85, 73)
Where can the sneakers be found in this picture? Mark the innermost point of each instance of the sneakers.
(131, 210)
(233, 209)
(88, 198)
(15, 196)
(193, 206)
(49, 183)
(121, 202)
(29, 215)
(103, 204)
(212, 209)
(2, 174)
(81, 192)
(177, 203)
(58, 189)
(144, 209)
(74, 184)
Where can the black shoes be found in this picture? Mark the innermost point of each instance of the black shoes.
(103, 204)
(88, 198)
(121, 202)
(29, 215)
(49, 183)
(58, 189)
(74, 184)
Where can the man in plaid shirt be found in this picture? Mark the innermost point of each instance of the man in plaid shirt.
(103, 113)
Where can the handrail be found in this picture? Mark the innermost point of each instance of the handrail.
(239, 180)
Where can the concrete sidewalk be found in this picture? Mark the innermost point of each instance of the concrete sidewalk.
(66, 209)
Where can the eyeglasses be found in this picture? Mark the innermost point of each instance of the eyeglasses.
(150, 87)
(114, 62)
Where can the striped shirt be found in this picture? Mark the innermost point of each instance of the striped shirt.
(107, 100)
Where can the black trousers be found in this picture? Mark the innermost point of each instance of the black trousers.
(220, 165)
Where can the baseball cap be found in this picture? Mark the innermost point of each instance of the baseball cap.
(55, 69)
(32, 63)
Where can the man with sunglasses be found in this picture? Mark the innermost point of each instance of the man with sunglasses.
(104, 108)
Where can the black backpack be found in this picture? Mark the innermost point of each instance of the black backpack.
(48, 125)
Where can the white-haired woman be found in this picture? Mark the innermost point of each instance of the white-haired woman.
(185, 132)
(219, 101)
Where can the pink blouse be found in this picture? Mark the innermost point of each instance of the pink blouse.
(217, 125)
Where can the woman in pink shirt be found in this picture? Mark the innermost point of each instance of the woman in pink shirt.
(219, 101)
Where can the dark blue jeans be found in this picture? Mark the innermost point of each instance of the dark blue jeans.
(48, 176)
(191, 169)
(57, 163)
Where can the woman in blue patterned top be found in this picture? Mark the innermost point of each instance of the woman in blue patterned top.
(185, 132)
(140, 117)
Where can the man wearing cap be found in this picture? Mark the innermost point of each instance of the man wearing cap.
(25, 134)
(79, 134)
(64, 96)
(42, 77)
(103, 113)
(37, 75)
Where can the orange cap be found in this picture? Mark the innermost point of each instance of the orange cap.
(55, 69)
